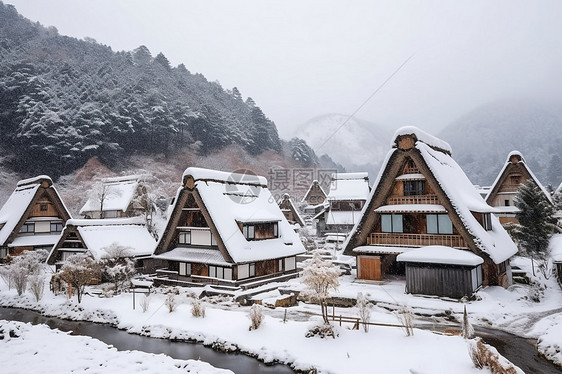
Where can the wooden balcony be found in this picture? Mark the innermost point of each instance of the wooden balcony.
(509, 188)
(414, 199)
(415, 240)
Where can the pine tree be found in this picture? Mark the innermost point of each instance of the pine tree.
(536, 222)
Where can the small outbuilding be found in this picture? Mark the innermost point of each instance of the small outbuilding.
(442, 271)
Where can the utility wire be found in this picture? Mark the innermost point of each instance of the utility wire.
(365, 102)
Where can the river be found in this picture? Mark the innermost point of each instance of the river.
(122, 340)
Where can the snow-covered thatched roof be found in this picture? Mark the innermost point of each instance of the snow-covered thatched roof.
(349, 186)
(119, 193)
(231, 199)
(458, 189)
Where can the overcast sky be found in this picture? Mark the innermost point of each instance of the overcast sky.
(299, 58)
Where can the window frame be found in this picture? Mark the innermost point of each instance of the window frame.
(396, 221)
(439, 224)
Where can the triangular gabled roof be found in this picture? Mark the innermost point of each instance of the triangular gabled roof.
(515, 158)
(314, 184)
(19, 205)
(286, 203)
(120, 193)
(227, 200)
(98, 234)
(454, 189)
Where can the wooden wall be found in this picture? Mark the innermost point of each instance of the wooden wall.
(448, 281)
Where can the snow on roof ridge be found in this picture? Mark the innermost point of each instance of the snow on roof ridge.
(421, 136)
(346, 176)
(106, 221)
(34, 180)
(124, 178)
(240, 176)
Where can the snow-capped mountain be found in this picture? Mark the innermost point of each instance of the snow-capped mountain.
(356, 144)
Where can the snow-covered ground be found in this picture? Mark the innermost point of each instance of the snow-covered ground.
(383, 349)
(39, 349)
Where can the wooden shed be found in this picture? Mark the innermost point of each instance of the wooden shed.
(442, 271)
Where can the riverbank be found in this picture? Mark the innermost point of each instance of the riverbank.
(384, 349)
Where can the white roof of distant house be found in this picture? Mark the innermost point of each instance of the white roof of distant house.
(230, 198)
(120, 192)
(349, 186)
(99, 234)
(555, 247)
(437, 254)
(459, 190)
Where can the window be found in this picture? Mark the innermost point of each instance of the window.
(28, 227)
(252, 271)
(184, 237)
(259, 231)
(110, 214)
(506, 202)
(184, 268)
(43, 207)
(502, 267)
(280, 265)
(290, 263)
(487, 221)
(220, 272)
(56, 226)
(391, 223)
(439, 224)
(412, 188)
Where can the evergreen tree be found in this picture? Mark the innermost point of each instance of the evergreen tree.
(536, 222)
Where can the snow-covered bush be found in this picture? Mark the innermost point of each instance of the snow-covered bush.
(171, 302)
(322, 331)
(6, 275)
(467, 329)
(118, 266)
(145, 303)
(37, 285)
(25, 265)
(364, 310)
(256, 316)
(406, 318)
(319, 277)
(79, 270)
(197, 308)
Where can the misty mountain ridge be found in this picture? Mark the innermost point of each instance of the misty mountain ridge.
(482, 139)
(356, 144)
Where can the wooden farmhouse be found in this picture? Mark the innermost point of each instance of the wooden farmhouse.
(32, 218)
(348, 194)
(425, 219)
(290, 211)
(226, 229)
(314, 197)
(556, 255)
(95, 236)
(114, 198)
(514, 173)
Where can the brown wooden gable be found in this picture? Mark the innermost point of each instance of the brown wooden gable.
(188, 198)
(288, 210)
(384, 190)
(69, 230)
(44, 194)
(315, 194)
(513, 174)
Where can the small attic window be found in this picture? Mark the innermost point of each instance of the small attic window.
(259, 231)
(515, 179)
(43, 207)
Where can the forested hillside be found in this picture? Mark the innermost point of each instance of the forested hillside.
(64, 100)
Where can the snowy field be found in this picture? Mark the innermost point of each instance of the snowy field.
(530, 311)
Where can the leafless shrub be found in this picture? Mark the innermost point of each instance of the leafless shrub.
(6, 275)
(484, 355)
(145, 303)
(406, 318)
(256, 316)
(364, 310)
(171, 302)
(197, 308)
(37, 285)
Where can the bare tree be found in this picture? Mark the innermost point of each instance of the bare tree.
(100, 193)
(319, 277)
(29, 263)
(79, 270)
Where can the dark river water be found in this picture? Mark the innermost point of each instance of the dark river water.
(237, 362)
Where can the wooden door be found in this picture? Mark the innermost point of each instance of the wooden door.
(370, 268)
